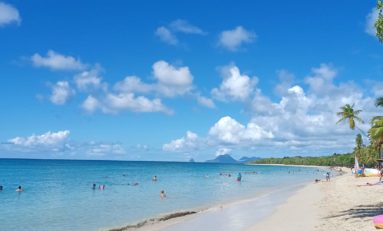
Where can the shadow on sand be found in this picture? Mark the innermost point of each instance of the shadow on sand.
(360, 211)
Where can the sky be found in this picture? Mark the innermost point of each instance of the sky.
(175, 80)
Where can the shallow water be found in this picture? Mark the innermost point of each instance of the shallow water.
(58, 194)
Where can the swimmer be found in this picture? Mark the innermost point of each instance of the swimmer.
(102, 187)
(19, 189)
(154, 178)
(162, 194)
(94, 186)
(1, 188)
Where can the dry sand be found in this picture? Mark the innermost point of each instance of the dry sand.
(344, 203)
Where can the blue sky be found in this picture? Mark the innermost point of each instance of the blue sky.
(165, 80)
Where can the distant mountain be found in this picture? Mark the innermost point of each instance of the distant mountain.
(247, 159)
(191, 160)
(223, 159)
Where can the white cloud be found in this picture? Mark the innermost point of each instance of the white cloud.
(113, 103)
(234, 86)
(89, 80)
(8, 14)
(46, 139)
(234, 39)
(187, 142)
(370, 22)
(172, 80)
(91, 104)
(228, 130)
(183, 26)
(61, 92)
(205, 101)
(56, 61)
(58, 143)
(166, 35)
(133, 84)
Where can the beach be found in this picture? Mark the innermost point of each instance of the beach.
(343, 203)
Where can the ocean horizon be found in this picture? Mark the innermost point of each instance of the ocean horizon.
(58, 194)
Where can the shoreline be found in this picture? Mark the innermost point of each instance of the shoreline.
(180, 217)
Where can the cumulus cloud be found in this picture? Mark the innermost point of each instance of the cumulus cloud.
(172, 80)
(235, 86)
(61, 92)
(228, 130)
(115, 103)
(89, 80)
(49, 141)
(168, 34)
(301, 120)
(185, 143)
(56, 61)
(370, 22)
(58, 143)
(90, 104)
(204, 101)
(133, 84)
(232, 40)
(8, 14)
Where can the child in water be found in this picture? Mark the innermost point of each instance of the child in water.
(162, 194)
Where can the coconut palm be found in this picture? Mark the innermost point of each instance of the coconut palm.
(376, 133)
(348, 113)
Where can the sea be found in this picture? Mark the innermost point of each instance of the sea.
(59, 196)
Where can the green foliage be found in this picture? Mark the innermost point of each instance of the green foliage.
(379, 21)
(346, 160)
(368, 157)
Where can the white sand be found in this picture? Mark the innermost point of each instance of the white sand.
(345, 203)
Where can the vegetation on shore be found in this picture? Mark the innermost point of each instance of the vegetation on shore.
(368, 157)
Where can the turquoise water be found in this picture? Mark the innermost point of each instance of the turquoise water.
(58, 194)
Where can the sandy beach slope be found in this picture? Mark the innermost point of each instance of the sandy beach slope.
(344, 203)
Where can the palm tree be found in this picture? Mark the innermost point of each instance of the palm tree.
(376, 133)
(348, 113)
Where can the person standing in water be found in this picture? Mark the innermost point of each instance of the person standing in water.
(239, 177)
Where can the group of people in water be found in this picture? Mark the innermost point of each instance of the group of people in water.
(18, 189)
(103, 186)
(239, 175)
